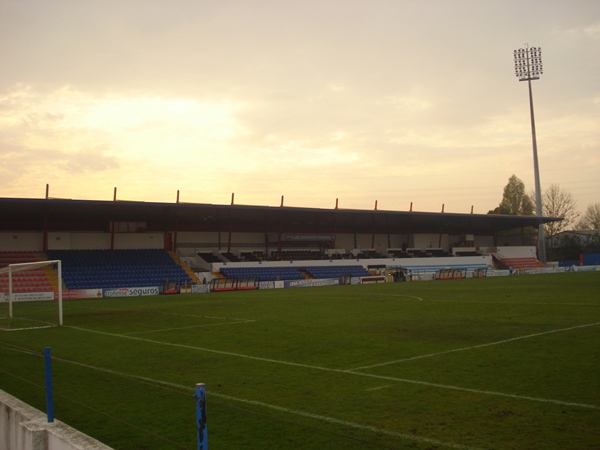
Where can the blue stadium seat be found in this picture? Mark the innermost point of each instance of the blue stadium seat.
(88, 269)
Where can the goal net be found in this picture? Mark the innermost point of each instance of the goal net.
(31, 295)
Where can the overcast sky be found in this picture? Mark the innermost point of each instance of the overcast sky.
(392, 101)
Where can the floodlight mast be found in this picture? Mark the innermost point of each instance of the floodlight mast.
(528, 66)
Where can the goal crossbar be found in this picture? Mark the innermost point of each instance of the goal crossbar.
(21, 267)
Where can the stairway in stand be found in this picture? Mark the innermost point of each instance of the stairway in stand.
(185, 267)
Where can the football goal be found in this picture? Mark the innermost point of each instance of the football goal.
(31, 295)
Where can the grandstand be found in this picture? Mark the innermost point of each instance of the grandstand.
(42, 279)
(119, 268)
(113, 245)
(518, 263)
(92, 269)
(295, 273)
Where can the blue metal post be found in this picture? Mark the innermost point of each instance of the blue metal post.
(200, 397)
(49, 396)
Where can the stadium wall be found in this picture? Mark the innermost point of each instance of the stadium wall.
(516, 252)
(131, 241)
(484, 241)
(23, 427)
(379, 243)
(247, 238)
(33, 241)
(509, 240)
(78, 241)
(404, 262)
(101, 241)
(256, 241)
(21, 241)
(200, 240)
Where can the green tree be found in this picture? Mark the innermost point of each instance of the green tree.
(591, 218)
(515, 200)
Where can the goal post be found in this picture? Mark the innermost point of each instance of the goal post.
(28, 298)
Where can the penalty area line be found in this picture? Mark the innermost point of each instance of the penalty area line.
(342, 371)
(430, 355)
(189, 327)
(236, 319)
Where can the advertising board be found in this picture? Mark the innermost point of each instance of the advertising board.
(311, 283)
(130, 291)
(28, 296)
(200, 288)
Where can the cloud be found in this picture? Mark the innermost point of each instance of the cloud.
(593, 31)
(388, 100)
(89, 160)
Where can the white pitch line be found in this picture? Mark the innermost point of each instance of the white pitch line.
(296, 412)
(201, 317)
(350, 372)
(401, 295)
(474, 346)
(378, 388)
(187, 328)
(435, 300)
(482, 302)
(203, 349)
(347, 423)
(383, 295)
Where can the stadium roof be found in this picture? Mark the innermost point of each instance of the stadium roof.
(190, 216)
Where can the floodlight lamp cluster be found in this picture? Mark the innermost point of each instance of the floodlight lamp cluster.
(528, 63)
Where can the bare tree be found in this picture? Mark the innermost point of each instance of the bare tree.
(557, 202)
(591, 218)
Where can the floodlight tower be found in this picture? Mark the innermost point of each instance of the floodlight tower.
(528, 66)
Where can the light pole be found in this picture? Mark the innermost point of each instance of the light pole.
(528, 66)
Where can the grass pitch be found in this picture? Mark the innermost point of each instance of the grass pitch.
(494, 363)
